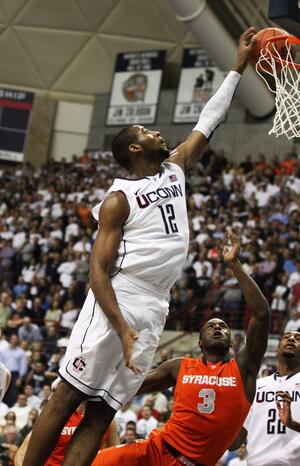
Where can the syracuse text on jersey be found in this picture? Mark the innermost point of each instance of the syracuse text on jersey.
(210, 380)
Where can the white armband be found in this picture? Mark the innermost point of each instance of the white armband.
(215, 110)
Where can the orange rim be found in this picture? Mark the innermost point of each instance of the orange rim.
(291, 40)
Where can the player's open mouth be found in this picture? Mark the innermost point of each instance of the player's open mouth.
(290, 346)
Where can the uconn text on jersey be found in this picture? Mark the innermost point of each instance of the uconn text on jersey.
(144, 200)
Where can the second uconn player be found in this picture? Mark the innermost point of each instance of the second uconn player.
(138, 254)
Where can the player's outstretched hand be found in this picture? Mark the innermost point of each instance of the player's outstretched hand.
(284, 408)
(128, 337)
(232, 248)
(246, 43)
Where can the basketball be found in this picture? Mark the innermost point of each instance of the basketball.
(263, 38)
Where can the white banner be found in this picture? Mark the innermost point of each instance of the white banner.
(11, 156)
(136, 87)
(199, 79)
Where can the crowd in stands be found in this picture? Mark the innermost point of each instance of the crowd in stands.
(46, 236)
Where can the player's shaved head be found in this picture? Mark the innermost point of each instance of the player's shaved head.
(215, 337)
(121, 142)
(215, 319)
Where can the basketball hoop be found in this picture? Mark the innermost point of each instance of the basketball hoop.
(285, 73)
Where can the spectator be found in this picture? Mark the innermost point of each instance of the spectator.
(66, 270)
(20, 288)
(32, 417)
(129, 436)
(5, 308)
(83, 246)
(69, 316)
(294, 277)
(293, 323)
(160, 402)
(28, 331)
(53, 315)
(36, 376)
(21, 410)
(37, 312)
(201, 262)
(7, 257)
(33, 401)
(9, 420)
(72, 229)
(10, 441)
(45, 393)
(122, 416)
(149, 400)
(14, 358)
(84, 213)
(147, 423)
(16, 318)
(50, 341)
(280, 295)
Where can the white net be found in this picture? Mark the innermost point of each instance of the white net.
(287, 87)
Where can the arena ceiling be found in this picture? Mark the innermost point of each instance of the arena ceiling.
(68, 47)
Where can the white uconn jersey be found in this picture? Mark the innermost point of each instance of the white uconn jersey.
(270, 443)
(155, 235)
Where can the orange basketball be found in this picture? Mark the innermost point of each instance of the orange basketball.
(263, 42)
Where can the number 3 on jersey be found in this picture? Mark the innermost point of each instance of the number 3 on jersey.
(208, 405)
(168, 216)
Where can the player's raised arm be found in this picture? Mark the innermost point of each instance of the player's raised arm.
(215, 111)
(162, 377)
(283, 403)
(113, 213)
(249, 359)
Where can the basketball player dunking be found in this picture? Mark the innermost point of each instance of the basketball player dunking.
(212, 394)
(138, 254)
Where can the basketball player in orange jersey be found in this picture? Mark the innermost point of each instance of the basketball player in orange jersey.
(138, 254)
(212, 394)
(56, 458)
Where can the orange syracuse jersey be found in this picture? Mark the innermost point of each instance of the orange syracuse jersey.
(209, 411)
(57, 456)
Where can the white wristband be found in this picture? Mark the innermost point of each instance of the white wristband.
(215, 110)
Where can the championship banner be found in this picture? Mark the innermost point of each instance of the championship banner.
(135, 89)
(199, 79)
(15, 108)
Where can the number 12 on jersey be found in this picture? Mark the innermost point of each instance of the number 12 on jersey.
(168, 216)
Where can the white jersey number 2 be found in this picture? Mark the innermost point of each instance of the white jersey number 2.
(208, 405)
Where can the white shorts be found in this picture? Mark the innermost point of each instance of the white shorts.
(3, 380)
(94, 362)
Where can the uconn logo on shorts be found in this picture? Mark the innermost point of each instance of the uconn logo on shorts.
(79, 364)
